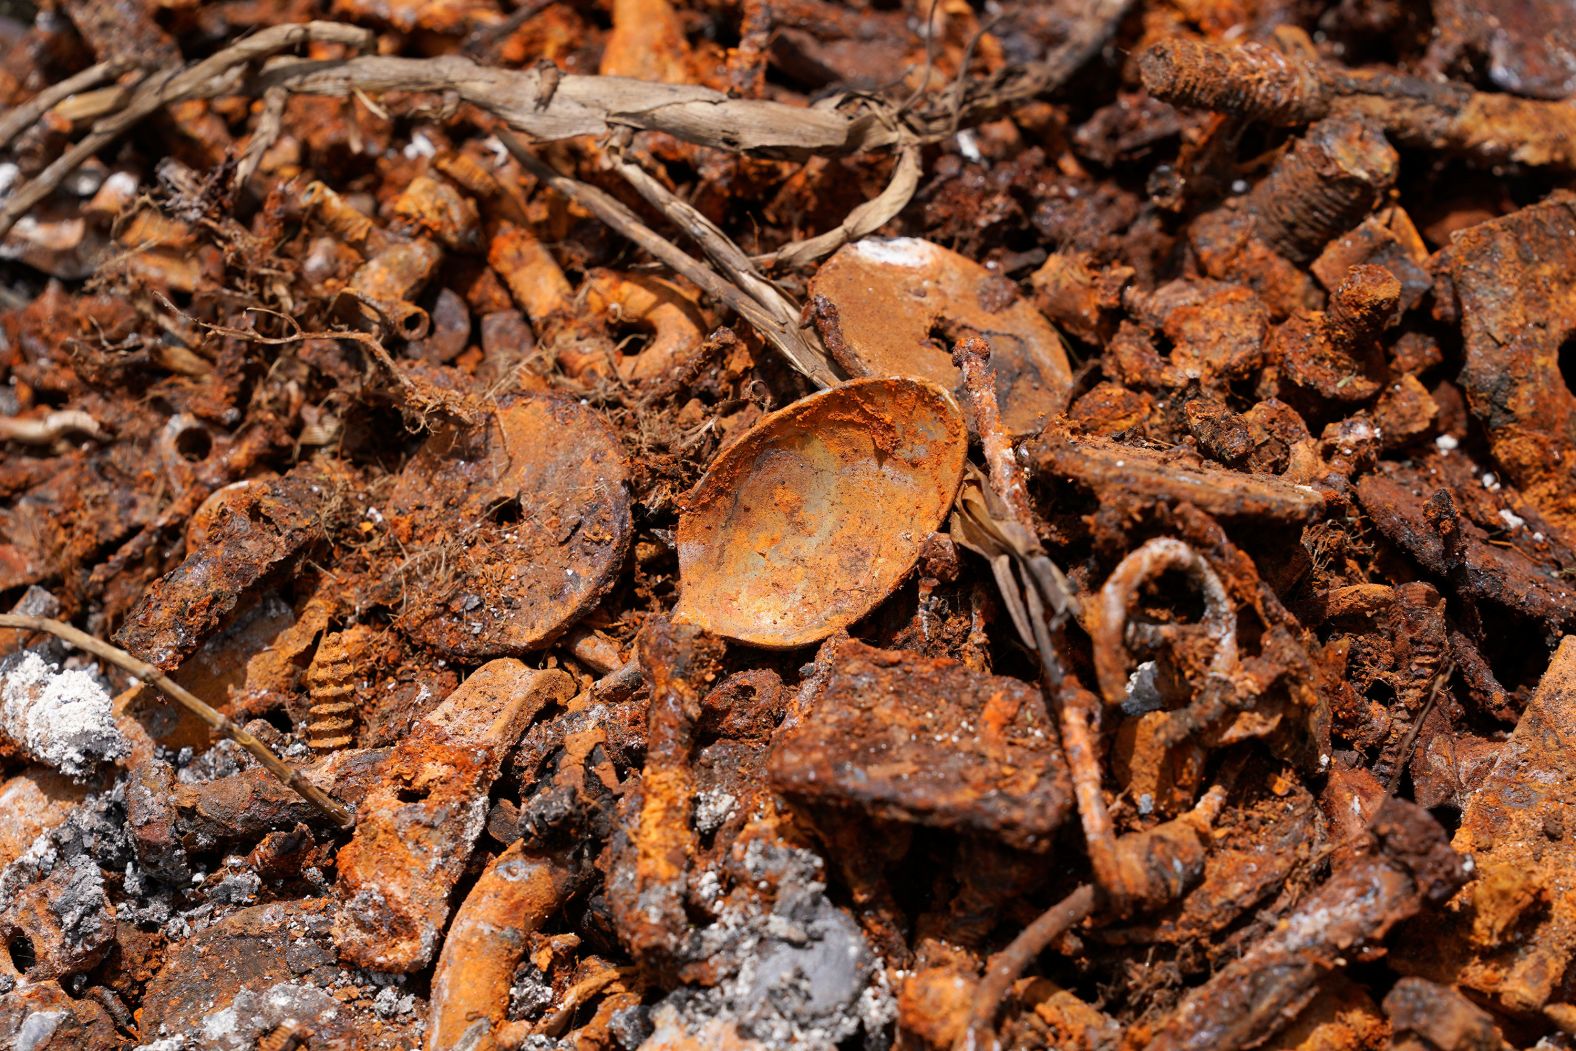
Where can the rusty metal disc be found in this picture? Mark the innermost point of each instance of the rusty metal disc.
(816, 514)
(518, 527)
(892, 297)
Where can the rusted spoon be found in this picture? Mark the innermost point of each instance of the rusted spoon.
(816, 514)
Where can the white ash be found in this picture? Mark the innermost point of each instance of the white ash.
(530, 995)
(713, 806)
(223, 759)
(77, 898)
(238, 886)
(630, 1026)
(797, 973)
(95, 829)
(390, 1004)
(58, 716)
(256, 1013)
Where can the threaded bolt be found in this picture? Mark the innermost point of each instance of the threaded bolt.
(1251, 80)
(1319, 189)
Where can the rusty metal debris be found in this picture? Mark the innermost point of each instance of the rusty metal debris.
(813, 517)
(422, 818)
(1410, 865)
(543, 535)
(664, 525)
(878, 304)
(928, 742)
(486, 943)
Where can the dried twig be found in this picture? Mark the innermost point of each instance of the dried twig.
(219, 722)
(866, 219)
(787, 337)
(21, 116)
(782, 327)
(44, 430)
(545, 105)
(269, 125)
(211, 76)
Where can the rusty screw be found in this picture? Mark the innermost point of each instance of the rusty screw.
(1260, 83)
(331, 682)
(1322, 186)
(1252, 80)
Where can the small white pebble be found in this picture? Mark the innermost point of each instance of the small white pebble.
(1511, 519)
(419, 146)
(969, 146)
(1446, 442)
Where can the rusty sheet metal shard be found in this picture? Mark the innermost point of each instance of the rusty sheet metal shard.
(878, 302)
(927, 741)
(416, 829)
(248, 538)
(1413, 506)
(1517, 919)
(1514, 287)
(518, 527)
(819, 511)
(231, 984)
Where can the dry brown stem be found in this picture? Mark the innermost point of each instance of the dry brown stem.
(784, 335)
(866, 219)
(219, 722)
(21, 116)
(204, 79)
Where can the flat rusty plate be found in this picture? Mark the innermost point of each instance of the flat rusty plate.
(262, 969)
(892, 295)
(818, 512)
(518, 527)
(928, 741)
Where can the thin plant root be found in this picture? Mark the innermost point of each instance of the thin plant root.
(217, 721)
